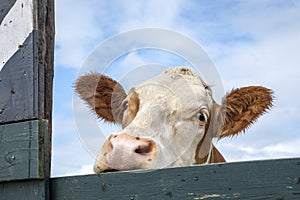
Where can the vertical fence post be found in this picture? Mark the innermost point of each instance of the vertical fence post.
(26, 75)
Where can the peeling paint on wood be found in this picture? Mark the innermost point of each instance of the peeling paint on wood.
(5, 7)
(15, 28)
(18, 85)
(26, 75)
(217, 196)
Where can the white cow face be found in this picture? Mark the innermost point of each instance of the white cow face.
(169, 120)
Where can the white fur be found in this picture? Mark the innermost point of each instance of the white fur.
(167, 114)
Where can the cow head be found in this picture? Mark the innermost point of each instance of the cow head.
(169, 120)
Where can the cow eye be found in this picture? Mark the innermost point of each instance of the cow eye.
(125, 105)
(201, 117)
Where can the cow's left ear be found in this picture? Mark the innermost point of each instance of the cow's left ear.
(241, 108)
(103, 95)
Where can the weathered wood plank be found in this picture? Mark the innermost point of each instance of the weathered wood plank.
(15, 27)
(27, 76)
(272, 179)
(22, 150)
(5, 6)
(31, 190)
(45, 49)
(18, 100)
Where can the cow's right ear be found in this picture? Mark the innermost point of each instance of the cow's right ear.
(103, 94)
(242, 107)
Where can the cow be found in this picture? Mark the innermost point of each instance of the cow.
(169, 120)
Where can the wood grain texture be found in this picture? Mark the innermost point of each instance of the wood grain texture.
(272, 179)
(22, 150)
(31, 190)
(26, 95)
(18, 100)
(26, 79)
(45, 51)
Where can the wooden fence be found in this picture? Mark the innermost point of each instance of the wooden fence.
(27, 48)
(26, 64)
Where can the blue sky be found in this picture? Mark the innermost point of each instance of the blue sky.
(249, 42)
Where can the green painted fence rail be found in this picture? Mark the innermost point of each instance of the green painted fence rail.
(270, 179)
(22, 150)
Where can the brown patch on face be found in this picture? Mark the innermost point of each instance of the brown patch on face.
(103, 94)
(198, 158)
(133, 108)
(203, 147)
(243, 106)
(207, 125)
(216, 156)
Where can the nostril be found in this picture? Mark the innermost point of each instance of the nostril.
(142, 150)
(145, 149)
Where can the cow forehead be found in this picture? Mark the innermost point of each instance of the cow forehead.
(175, 74)
(178, 84)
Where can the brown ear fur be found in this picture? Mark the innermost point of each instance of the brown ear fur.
(103, 94)
(243, 106)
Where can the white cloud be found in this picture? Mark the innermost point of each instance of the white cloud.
(238, 152)
(80, 26)
(271, 59)
(84, 169)
(77, 30)
(69, 156)
(63, 124)
(151, 14)
(266, 17)
(75, 146)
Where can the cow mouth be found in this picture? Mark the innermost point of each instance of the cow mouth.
(110, 170)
